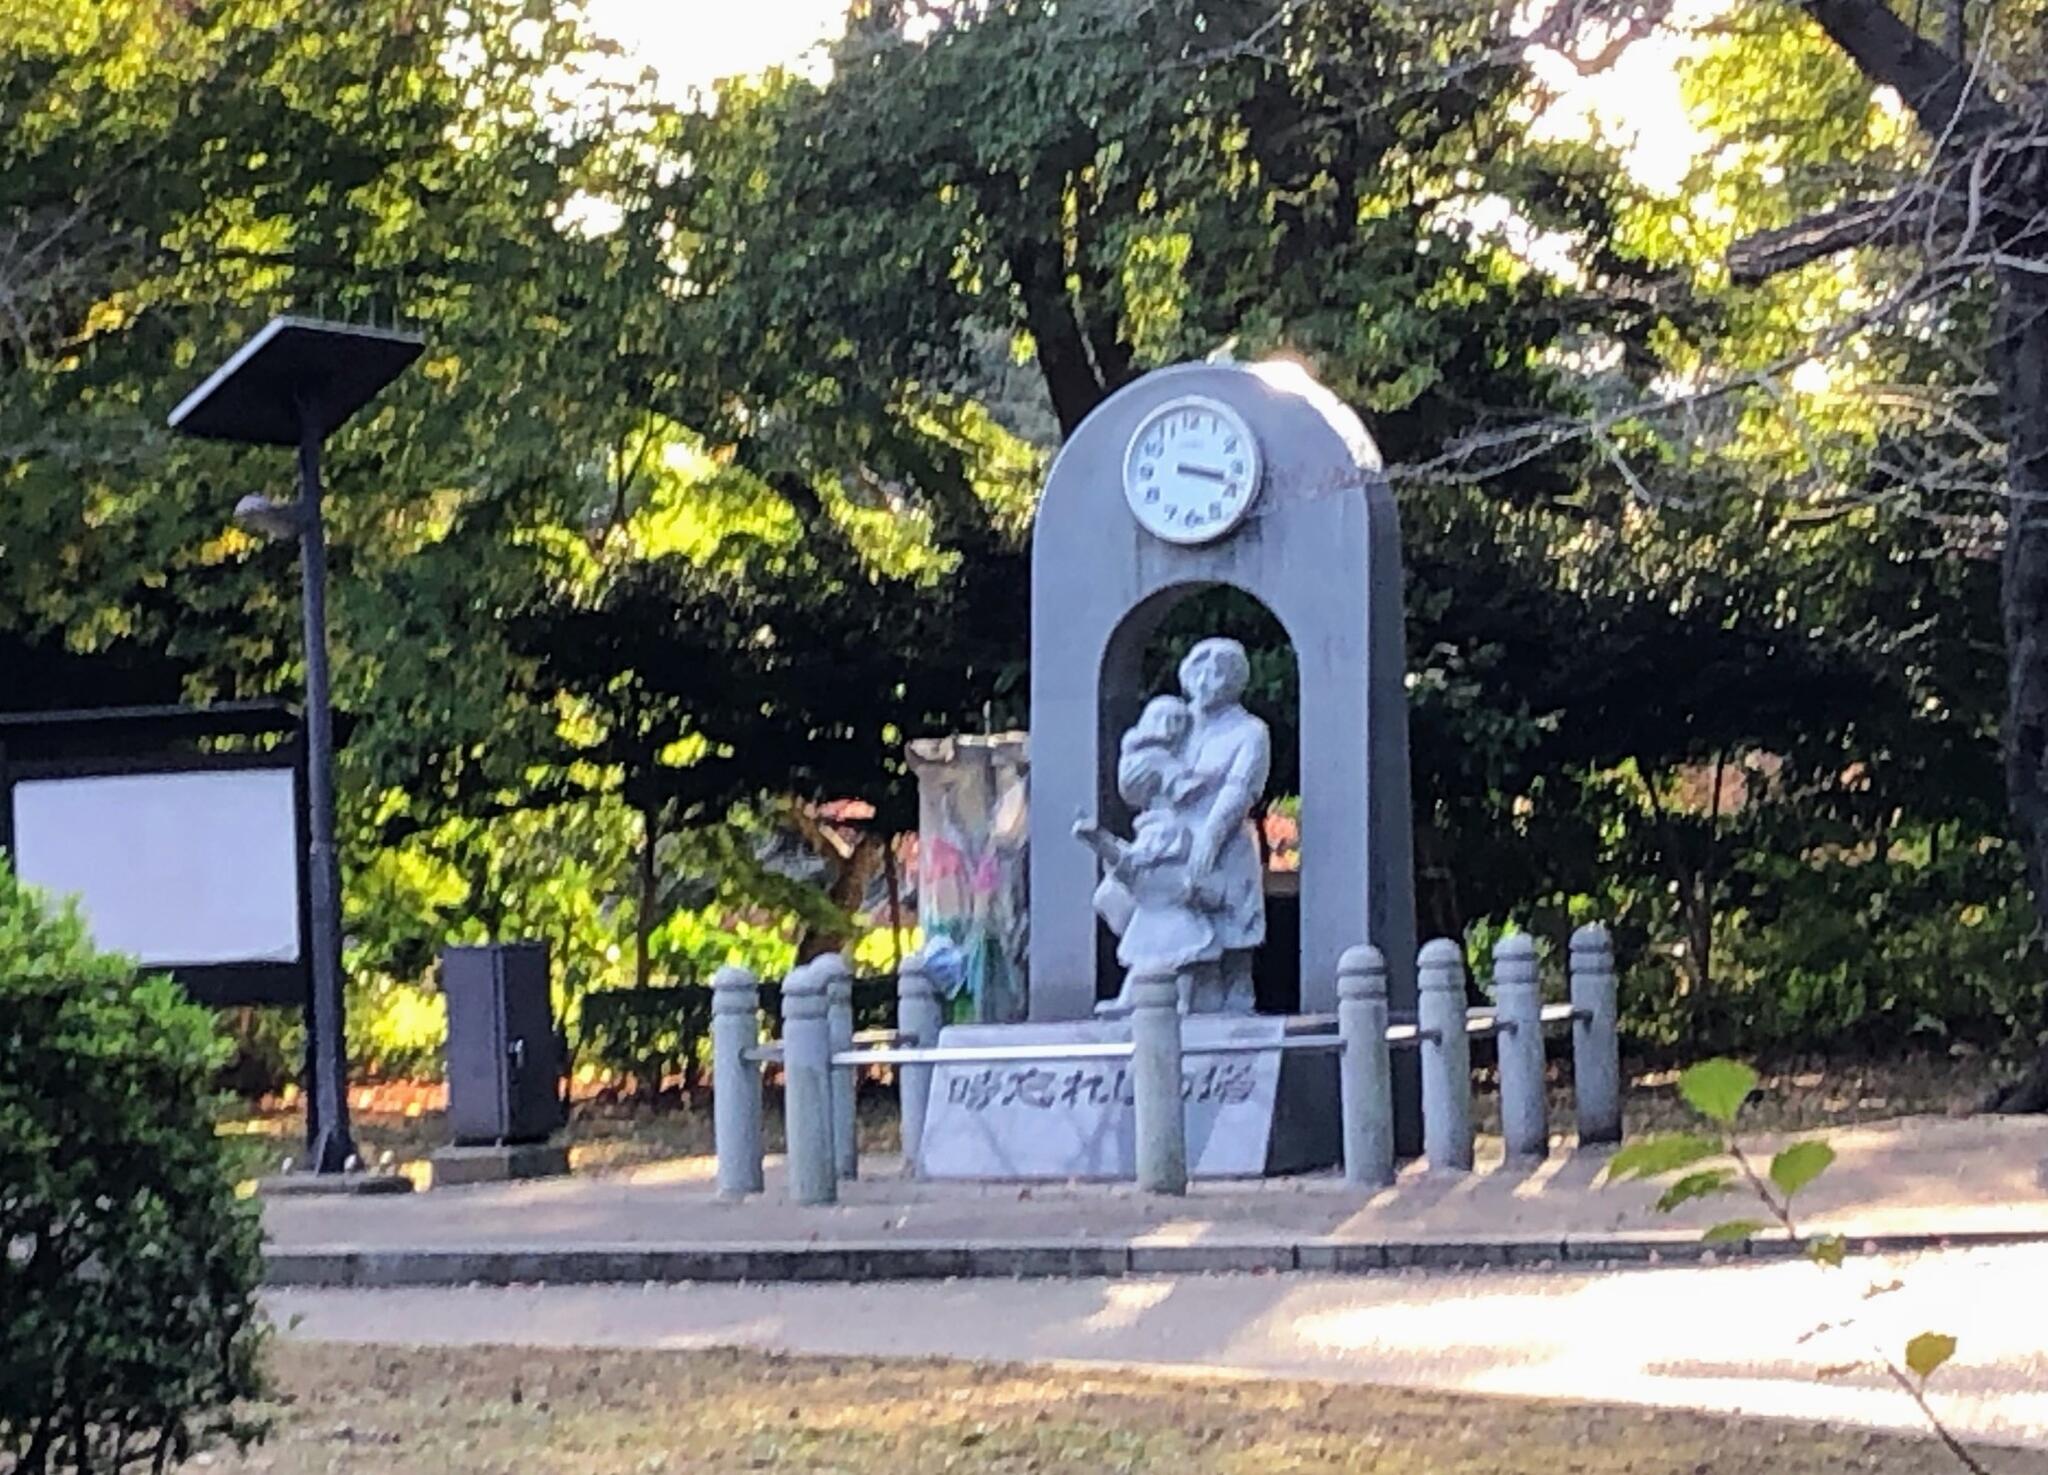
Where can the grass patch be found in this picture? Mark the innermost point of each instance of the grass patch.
(414, 1411)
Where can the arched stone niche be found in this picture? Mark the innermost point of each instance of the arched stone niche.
(1321, 549)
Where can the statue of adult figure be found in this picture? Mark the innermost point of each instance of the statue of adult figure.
(1228, 758)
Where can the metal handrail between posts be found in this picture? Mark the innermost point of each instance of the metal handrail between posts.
(981, 1054)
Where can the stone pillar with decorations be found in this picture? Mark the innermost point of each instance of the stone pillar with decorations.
(972, 872)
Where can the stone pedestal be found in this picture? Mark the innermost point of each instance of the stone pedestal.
(1248, 1115)
(455, 1166)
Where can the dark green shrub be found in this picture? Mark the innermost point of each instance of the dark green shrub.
(649, 1034)
(128, 1325)
(658, 1033)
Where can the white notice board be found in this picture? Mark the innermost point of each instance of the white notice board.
(171, 868)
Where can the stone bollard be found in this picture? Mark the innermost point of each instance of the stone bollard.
(918, 1019)
(839, 1022)
(807, 1087)
(1365, 1068)
(736, 1081)
(1518, 1037)
(1162, 1119)
(1446, 1057)
(1596, 1036)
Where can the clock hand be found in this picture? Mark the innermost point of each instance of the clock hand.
(1208, 472)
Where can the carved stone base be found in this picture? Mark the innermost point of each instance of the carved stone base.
(1207, 988)
(1250, 1115)
(455, 1166)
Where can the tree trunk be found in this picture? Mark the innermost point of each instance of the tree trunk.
(889, 871)
(1063, 358)
(2023, 600)
(650, 883)
(1945, 97)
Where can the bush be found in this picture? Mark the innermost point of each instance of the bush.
(127, 1265)
(648, 1034)
(396, 1031)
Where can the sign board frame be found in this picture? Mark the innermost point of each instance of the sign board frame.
(139, 741)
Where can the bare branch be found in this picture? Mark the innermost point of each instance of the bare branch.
(1575, 20)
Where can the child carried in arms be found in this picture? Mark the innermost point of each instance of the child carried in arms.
(1150, 898)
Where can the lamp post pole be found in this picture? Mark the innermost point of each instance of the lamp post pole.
(294, 384)
(329, 1142)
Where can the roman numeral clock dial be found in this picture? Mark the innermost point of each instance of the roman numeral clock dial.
(1192, 471)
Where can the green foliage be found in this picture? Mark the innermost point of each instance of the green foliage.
(1849, 446)
(1927, 1352)
(1705, 1183)
(1653, 1157)
(1716, 1089)
(1798, 1165)
(128, 1278)
(1730, 1231)
(715, 505)
(1828, 1250)
(398, 1030)
(646, 1034)
(1819, 940)
(695, 944)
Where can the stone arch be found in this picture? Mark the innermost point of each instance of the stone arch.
(1321, 550)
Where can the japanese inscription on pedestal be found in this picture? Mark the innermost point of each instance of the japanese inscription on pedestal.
(1074, 1118)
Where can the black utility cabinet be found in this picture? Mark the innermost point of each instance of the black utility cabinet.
(504, 1066)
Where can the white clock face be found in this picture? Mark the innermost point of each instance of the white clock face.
(1192, 471)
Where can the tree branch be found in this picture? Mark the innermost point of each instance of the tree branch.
(1982, 185)
(1935, 85)
(1858, 223)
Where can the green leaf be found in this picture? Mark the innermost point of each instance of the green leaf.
(1655, 1156)
(1732, 1229)
(1827, 1249)
(1716, 1089)
(1799, 1164)
(1702, 1184)
(1929, 1351)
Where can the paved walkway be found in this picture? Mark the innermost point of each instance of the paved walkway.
(1734, 1338)
(1891, 1182)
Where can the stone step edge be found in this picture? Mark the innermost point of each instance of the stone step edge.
(321, 1268)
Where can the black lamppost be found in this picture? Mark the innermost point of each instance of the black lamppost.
(294, 384)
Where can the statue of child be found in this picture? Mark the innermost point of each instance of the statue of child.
(1149, 772)
(1150, 897)
(1151, 765)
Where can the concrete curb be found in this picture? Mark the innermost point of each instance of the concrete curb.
(341, 1268)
